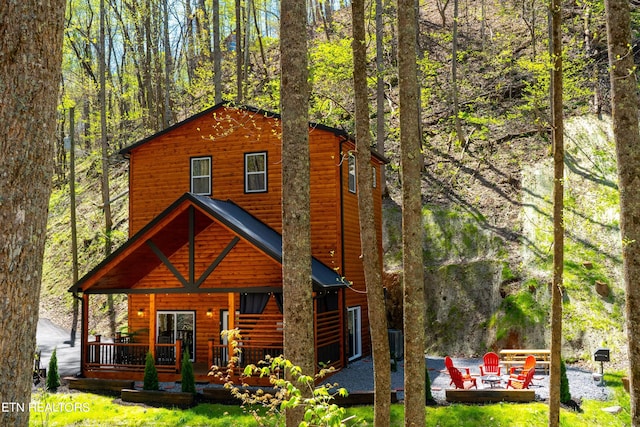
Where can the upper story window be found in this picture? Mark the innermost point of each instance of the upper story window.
(255, 172)
(352, 173)
(201, 175)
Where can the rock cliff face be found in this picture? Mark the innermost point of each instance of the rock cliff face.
(487, 279)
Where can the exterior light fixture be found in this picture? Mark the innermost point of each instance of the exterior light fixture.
(141, 312)
(209, 313)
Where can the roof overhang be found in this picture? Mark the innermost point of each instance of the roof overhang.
(176, 227)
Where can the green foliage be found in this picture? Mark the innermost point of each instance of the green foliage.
(150, 381)
(565, 394)
(298, 391)
(518, 311)
(188, 384)
(53, 378)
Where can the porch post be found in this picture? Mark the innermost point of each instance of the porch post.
(315, 328)
(152, 325)
(232, 322)
(84, 334)
(178, 351)
(343, 310)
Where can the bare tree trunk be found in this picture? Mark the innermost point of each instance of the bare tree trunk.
(454, 76)
(558, 212)
(624, 105)
(296, 225)
(168, 69)
(105, 161)
(380, 98)
(239, 76)
(217, 53)
(247, 44)
(74, 233)
(368, 236)
(30, 58)
(189, 41)
(411, 163)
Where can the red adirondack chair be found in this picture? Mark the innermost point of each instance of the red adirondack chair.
(459, 380)
(529, 363)
(521, 382)
(448, 363)
(491, 365)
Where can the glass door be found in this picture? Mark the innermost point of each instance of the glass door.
(354, 330)
(173, 325)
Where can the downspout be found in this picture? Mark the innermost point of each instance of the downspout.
(345, 356)
(341, 182)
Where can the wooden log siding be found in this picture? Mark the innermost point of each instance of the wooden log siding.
(160, 173)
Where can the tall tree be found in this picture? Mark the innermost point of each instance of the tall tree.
(104, 144)
(238, 38)
(411, 163)
(380, 97)
(30, 63)
(217, 53)
(371, 258)
(624, 106)
(557, 124)
(454, 76)
(73, 223)
(296, 224)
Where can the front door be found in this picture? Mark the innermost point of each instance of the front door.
(174, 325)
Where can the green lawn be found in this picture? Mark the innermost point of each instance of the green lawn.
(85, 409)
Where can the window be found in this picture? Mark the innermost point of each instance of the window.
(201, 175)
(172, 325)
(255, 172)
(374, 176)
(354, 330)
(352, 173)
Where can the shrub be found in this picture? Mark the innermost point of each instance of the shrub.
(150, 374)
(188, 379)
(565, 394)
(429, 400)
(53, 379)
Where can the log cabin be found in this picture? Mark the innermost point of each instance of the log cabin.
(204, 251)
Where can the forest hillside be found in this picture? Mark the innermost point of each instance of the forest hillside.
(484, 75)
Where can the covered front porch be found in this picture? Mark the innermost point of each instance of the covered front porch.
(158, 327)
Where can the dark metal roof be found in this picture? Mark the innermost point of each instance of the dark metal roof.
(312, 125)
(120, 271)
(262, 236)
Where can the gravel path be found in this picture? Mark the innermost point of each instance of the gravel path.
(358, 376)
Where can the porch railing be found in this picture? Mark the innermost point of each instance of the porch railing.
(262, 335)
(132, 356)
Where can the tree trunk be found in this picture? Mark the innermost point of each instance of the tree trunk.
(296, 238)
(239, 76)
(624, 106)
(105, 161)
(558, 212)
(411, 163)
(454, 77)
(217, 53)
(380, 98)
(74, 233)
(368, 236)
(30, 63)
(168, 69)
